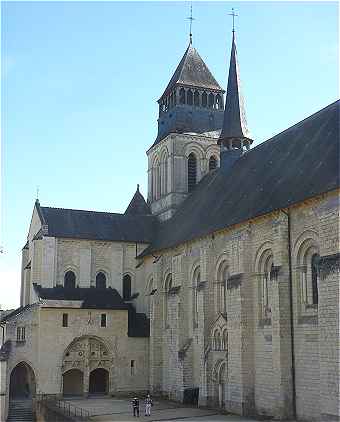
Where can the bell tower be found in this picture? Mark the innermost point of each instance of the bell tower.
(189, 122)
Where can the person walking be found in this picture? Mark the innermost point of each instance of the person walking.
(148, 405)
(135, 406)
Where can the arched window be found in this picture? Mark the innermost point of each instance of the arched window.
(150, 291)
(196, 98)
(189, 97)
(221, 292)
(167, 288)
(126, 287)
(217, 340)
(164, 175)
(195, 282)
(225, 339)
(218, 103)
(267, 277)
(204, 99)
(315, 278)
(182, 96)
(212, 163)
(211, 100)
(156, 182)
(192, 172)
(100, 281)
(70, 280)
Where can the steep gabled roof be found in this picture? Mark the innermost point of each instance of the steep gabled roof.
(137, 205)
(80, 224)
(299, 163)
(192, 71)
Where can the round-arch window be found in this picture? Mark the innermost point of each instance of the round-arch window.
(101, 281)
(192, 172)
(70, 280)
(212, 163)
(126, 287)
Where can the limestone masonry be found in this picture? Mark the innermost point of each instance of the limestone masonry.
(221, 290)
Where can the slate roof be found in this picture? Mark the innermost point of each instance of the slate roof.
(192, 71)
(15, 312)
(299, 163)
(138, 206)
(80, 224)
(234, 121)
(92, 298)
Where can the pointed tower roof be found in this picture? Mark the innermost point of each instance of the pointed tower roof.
(192, 71)
(234, 122)
(137, 205)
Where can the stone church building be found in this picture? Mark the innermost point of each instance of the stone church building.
(221, 289)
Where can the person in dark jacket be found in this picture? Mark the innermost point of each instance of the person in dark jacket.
(135, 406)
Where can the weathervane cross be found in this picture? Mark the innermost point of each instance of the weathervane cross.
(233, 14)
(190, 18)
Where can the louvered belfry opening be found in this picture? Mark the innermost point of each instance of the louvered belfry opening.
(192, 172)
(212, 163)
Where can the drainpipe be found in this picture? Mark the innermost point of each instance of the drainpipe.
(287, 213)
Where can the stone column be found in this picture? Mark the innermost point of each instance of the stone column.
(329, 295)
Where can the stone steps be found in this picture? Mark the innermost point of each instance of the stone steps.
(20, 411)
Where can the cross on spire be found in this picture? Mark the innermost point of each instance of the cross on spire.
(190, 18)
(233, 14)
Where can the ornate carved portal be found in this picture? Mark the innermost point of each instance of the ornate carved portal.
(88, 354)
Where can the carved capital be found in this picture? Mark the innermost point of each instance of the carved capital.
(329, 264)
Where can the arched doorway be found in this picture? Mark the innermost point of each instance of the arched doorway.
(99, 381)
(73, 383)
(22, 381)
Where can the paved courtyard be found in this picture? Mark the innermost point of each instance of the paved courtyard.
(113, 409)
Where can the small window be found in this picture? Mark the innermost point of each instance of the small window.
(315, 281)
(192, 172)
(211, 100)
(65, 320)
(21, 334)
(182, 96)
(189, 97)
(196, 98)
(212, 163)
(132, 366)
(70, 280)
(100, 281)
(204, 99)
(126, 287)
(103, 320)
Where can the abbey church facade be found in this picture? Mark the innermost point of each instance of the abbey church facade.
(221, 289)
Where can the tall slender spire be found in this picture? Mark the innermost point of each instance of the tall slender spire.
(234, 122)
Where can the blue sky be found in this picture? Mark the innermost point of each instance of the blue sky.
(80, 82)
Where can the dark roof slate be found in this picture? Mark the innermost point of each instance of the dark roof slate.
(192, 71)
(80, 224)
(234, 121)
(138, 206)
(299, 163)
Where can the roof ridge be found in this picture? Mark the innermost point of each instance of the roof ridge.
(76, 209)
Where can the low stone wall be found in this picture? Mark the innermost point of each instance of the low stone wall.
(46, 411)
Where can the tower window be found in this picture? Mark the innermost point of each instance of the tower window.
(182, 96)
(211, 100)
(204, 99)
(196, 98)
(70, 280)
(103, 320)
(65, 320)
(212, 163)
(218, 104)
(189, 97)
(126, 287)
(192, 172)
(132, 366)
(21, 334)
(101, 281)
